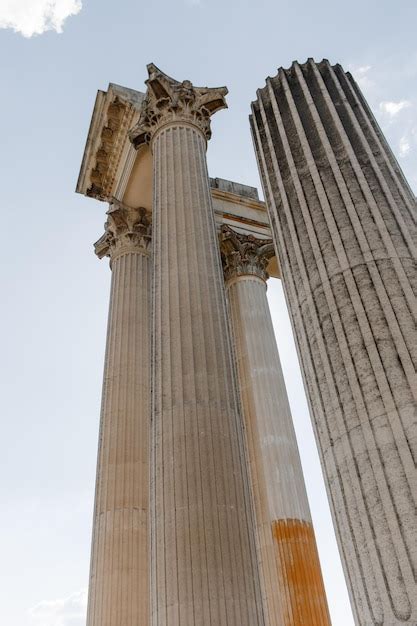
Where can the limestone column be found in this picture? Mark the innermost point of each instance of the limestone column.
(293, 588)
(344, 221)
(202, 541)
(119, 579)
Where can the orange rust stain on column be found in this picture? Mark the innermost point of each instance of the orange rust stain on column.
(300, 574)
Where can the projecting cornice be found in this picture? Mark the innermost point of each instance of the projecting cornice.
(115, 112)
(168, 101)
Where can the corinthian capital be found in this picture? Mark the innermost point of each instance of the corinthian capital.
(127, 230)
(244, 255)
(169, 101)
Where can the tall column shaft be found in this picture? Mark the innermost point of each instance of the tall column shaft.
(119, 579)
(344, 222)
(293, 587)
(204, 568)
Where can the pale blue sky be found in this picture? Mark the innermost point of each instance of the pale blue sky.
(55, 292)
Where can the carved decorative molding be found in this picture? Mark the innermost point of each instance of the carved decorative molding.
(168, 101)
(120, 116)
(244, 255)
(127, 230)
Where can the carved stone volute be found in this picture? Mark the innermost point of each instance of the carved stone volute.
(244, 255)
(169, 101)
(127, 230)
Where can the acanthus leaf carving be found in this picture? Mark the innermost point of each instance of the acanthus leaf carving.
(127, 230)
(117, 122)
(169, 101)
(244, 255)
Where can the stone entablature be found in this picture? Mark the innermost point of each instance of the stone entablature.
(114, 171)
(115, 111)
(169, 101)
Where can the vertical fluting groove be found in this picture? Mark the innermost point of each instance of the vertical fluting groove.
(289, 560)
(379, 468)
(375, 140)
(366, 250)
(403, 447)
(171, 295)
(387, 239)
(329, 371)
(341, 214)
(359, 231)
(400, 221)
(204, 614)
(155, 312)
(220, 475)
(266, 559)
(264, 555)
(187, 450)
(383, 151)
(236, 434)
(321, 358)
(213, 570)
(219, 593)
(377, 464)
(227, 486)
(119, 587)
(199, 613)
(303, 346)
(165, 375)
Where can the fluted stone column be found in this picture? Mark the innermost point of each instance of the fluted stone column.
(293, 588)
(344, 220)
(119, 579)
(204, 567)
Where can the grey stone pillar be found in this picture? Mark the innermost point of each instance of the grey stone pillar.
(293, 589)
(344, 222)
(119, 579)
(204, 567)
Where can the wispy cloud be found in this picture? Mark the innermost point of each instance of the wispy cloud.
(398, 118)
(34, 17)
(393, 108)
(404, 146)
(391, 93)
(363, 69)
(361, 75)
(407, 145)
(70, 611)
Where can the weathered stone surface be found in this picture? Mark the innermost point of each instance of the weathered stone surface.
(203, 560)
(168, 101)
(115, 111)
(292, 585)
(119, 575)
(344, 222)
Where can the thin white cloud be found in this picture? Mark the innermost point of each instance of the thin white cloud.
(363, 69)
(361, 75)
(34, 17)
(398, 121)
(69, 611)
(393, 108)
(407, 144)
(404, 146)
